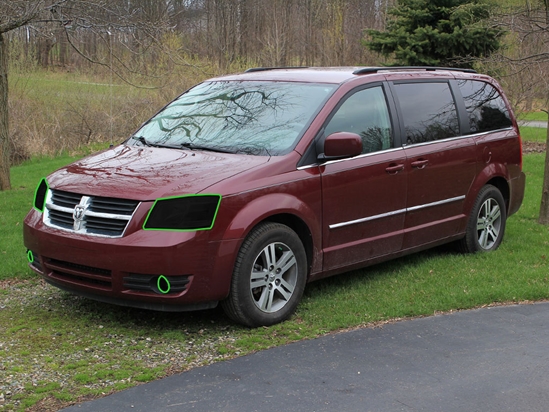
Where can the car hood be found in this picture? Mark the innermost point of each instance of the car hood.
(147, 173)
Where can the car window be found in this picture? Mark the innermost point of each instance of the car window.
(257, 118)
(366, 114)
(485, 106)
(428, 110)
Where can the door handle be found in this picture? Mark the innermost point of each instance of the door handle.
(394, 169)
(420, 164)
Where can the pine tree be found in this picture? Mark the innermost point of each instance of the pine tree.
(437, 33)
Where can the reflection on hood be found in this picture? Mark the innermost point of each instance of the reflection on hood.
(144, 173)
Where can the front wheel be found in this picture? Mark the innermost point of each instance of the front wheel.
(486, 224)
(268, 278)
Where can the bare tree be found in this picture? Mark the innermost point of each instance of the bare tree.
(136, 21)
(527, 63)
(288, 32)
(228, 33)
(4, 131)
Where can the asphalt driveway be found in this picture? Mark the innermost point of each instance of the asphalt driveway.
(490, 359)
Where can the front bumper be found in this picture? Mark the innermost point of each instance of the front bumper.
(168, 271)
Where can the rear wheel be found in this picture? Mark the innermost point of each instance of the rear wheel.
(486, 224)
(268, 278)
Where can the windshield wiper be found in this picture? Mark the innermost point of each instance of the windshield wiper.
(193, 146)
(186, 145)
(141, 139)
(148, 143)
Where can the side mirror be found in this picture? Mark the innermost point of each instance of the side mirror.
(341, 145)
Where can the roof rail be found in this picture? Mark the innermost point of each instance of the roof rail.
(262, 69)
(368, 70)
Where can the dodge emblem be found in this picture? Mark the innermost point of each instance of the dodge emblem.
(78, 215)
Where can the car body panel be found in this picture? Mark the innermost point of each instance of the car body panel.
(437, 189)
(363, 208)
(154, 172)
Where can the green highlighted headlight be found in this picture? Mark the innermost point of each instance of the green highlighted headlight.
(40, 195)
(183, 213)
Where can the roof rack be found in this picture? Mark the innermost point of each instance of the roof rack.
(368, 70)
(263, 69)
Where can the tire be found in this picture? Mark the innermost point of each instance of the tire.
(486, 225)
(268, 278)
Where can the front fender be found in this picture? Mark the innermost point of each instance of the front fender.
(261, 208)
(282, 207)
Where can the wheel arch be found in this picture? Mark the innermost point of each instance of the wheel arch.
(493, 174)
(503, 186)
(289, 211)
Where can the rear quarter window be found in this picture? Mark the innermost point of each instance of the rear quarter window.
(428, 111)
(486, 108)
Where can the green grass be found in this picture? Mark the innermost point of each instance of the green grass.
(533, 116)
(533, 134)
(54, 112)
(55, 88)
(95, 348)
(14, 205)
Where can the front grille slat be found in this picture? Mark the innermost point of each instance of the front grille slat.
(61, 218)
(78, 268)
(105, 223)
(65, 199)
(98, 216)
(80, 274)
(111, 205)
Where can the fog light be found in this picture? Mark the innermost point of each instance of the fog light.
(163, 284)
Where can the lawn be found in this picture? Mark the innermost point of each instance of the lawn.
(14, 205)
(56, 348)
(534, 116)
(534, 134)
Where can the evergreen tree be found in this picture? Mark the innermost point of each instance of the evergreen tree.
(437, 33)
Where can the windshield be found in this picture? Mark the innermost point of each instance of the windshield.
(260, 118)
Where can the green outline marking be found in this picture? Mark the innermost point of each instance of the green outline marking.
(165, 279)
(43, 180)
(179, 197)
(30, 256)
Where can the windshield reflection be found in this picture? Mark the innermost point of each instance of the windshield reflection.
(260, 118)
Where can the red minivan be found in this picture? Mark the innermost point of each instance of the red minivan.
(246, 187)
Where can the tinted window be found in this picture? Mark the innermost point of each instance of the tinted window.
(486, 108)
(365, 113)
(260, 118)
(428, 110)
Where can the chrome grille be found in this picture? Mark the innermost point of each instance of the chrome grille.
(99, 216)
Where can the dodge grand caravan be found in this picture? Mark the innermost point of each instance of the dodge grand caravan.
(248, 186)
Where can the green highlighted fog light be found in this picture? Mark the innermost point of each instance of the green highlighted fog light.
(40, 195)
(183, 213)
(30, 256)
(163, 284)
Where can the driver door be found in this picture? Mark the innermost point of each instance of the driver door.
(364, 197)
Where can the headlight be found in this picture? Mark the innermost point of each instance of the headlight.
(185, 213)
(40, 195)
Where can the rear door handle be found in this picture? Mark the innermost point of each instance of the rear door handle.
(394, 169)
(420, 164)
